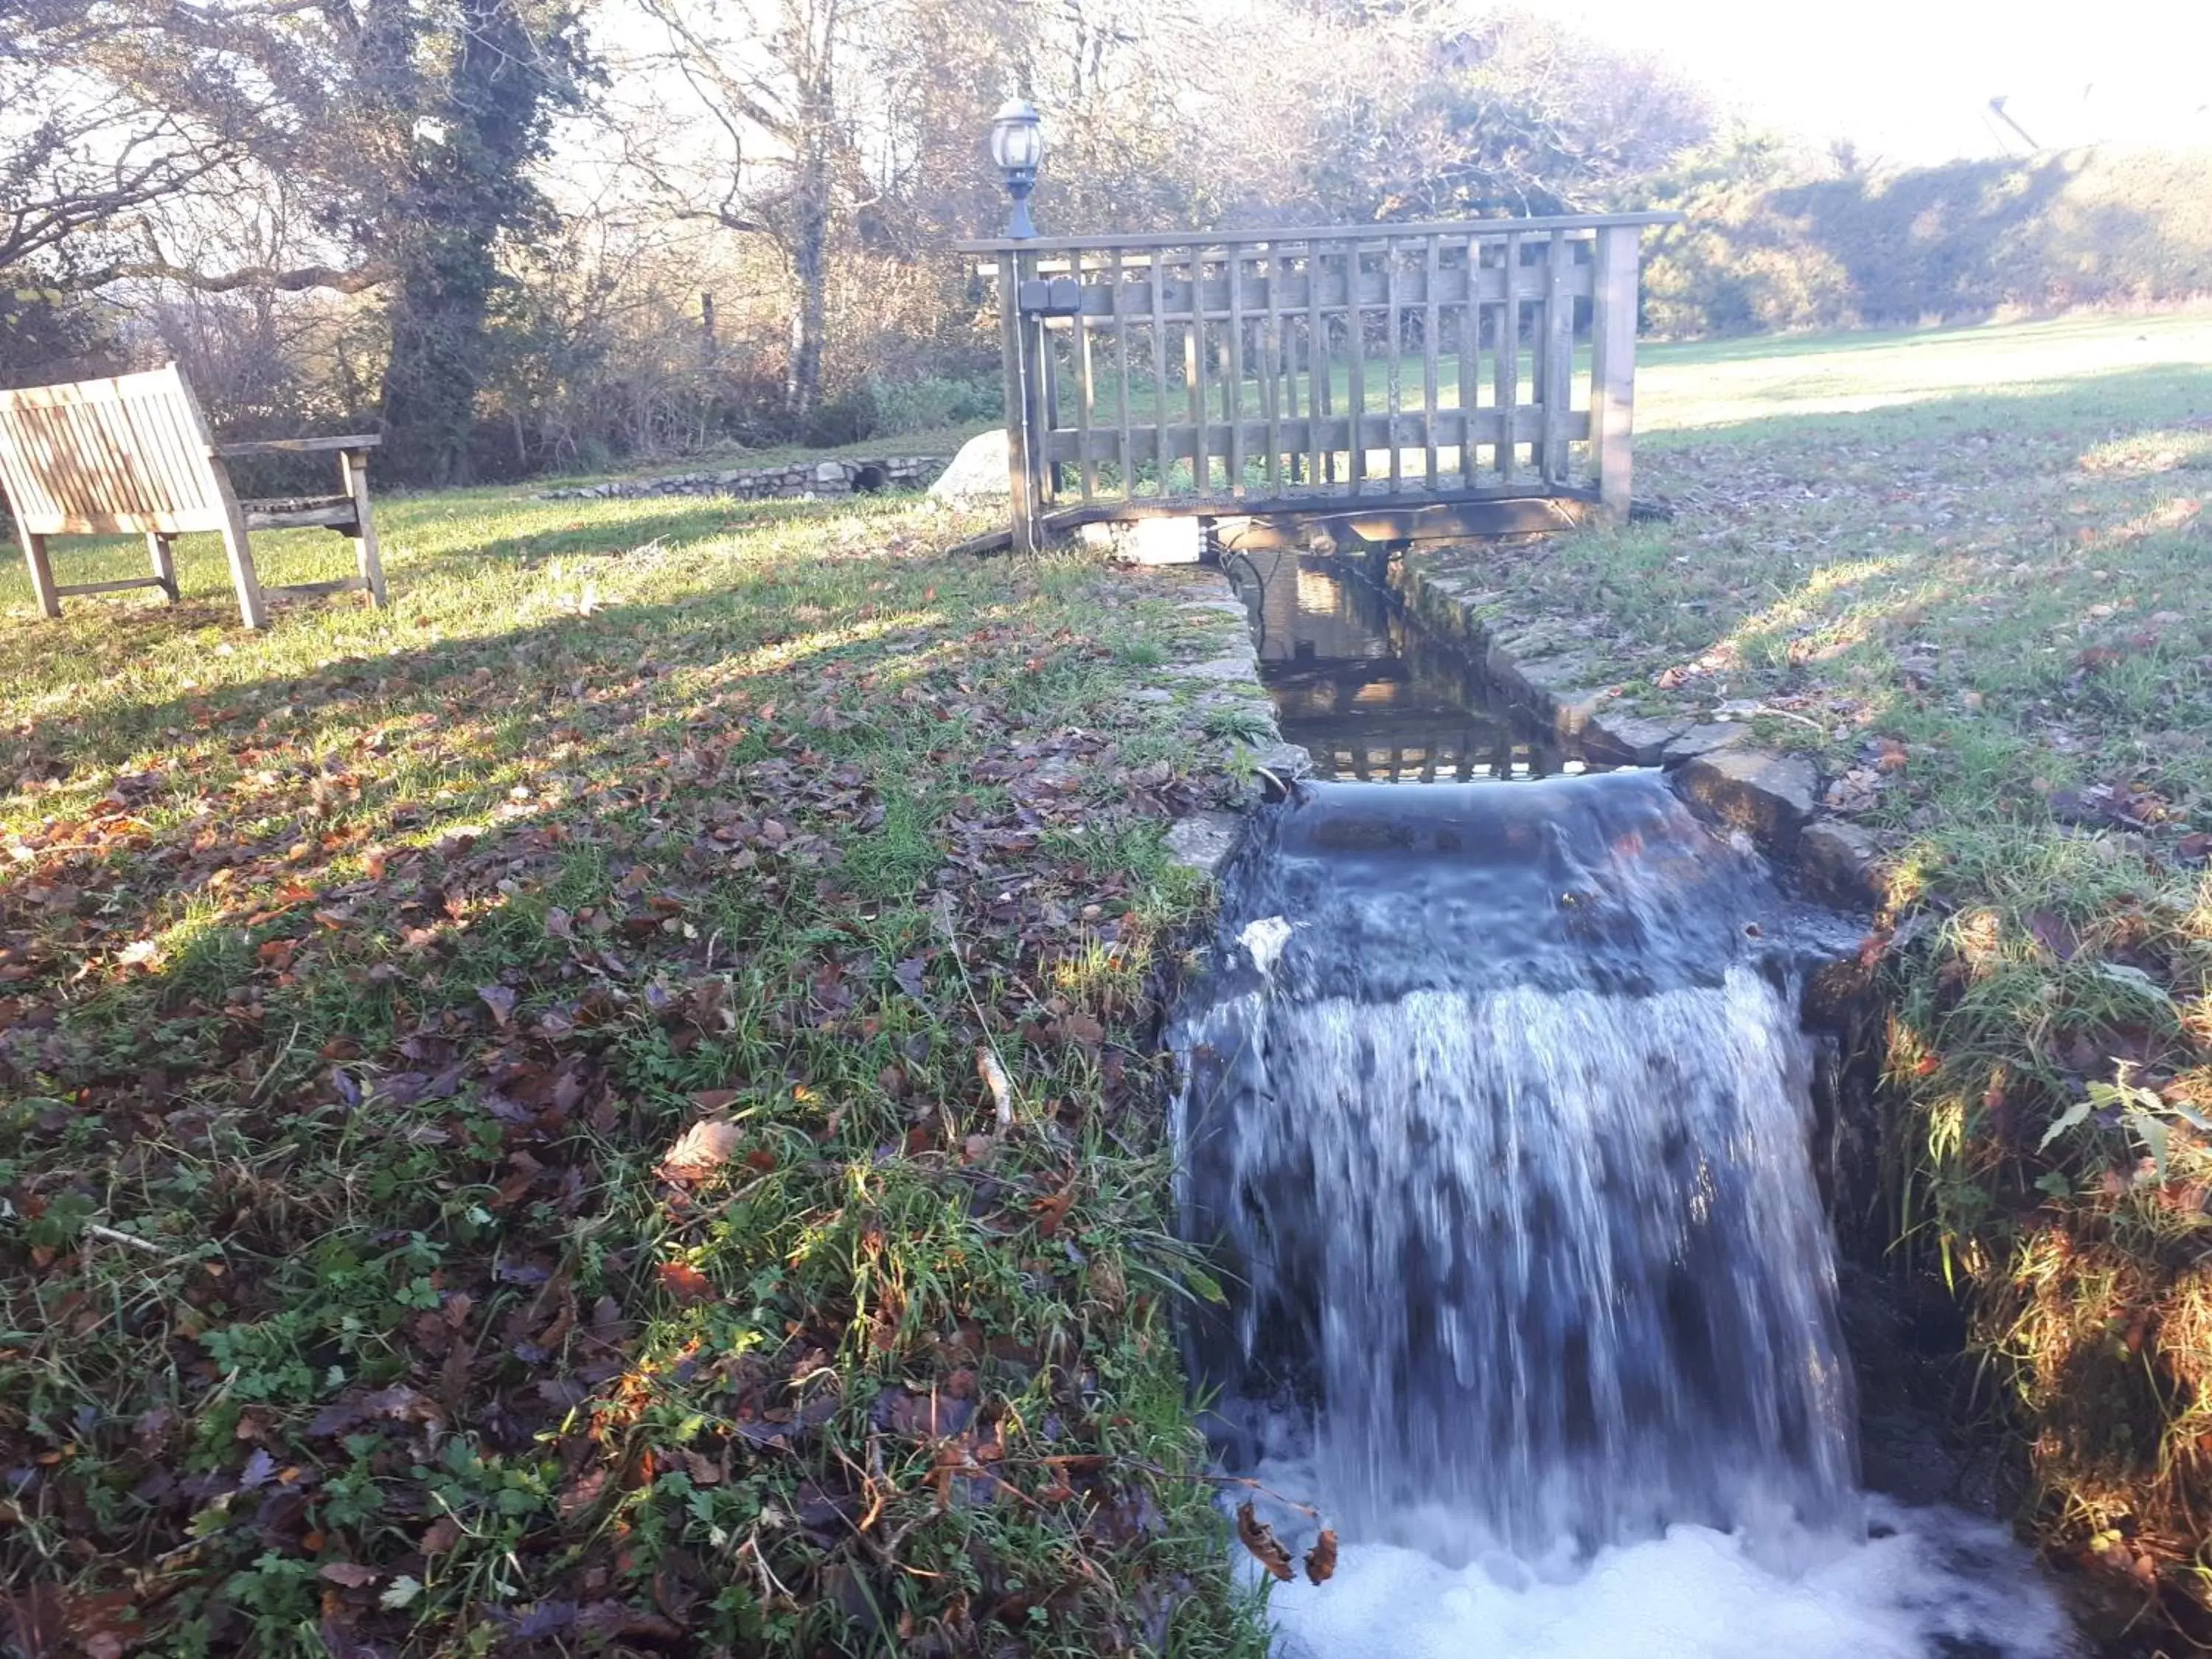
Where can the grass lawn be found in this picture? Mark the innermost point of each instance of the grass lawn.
(607, 1108)
(1968, 571)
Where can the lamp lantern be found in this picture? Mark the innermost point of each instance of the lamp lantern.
(1017, 149)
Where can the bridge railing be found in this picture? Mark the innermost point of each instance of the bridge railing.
(1302, 370)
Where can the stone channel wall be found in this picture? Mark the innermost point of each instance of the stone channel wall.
(804, 480)
(1775, 799)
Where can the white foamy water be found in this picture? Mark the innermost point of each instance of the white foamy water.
(1940, 1586)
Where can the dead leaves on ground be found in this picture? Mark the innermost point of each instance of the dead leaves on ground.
(501, 1072)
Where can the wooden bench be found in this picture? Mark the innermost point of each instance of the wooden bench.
(133, 455)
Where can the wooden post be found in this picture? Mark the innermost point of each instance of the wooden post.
(1013, 351)
(1355, 327)
(1232, 371)
(42, 573)
(1394, 373)
(1557, 357)
(353, 469)
(1613, 368)
(162, 553)
(1506, 367)
(1126, 455)
(1086, 393)
(1162, 459)
(1431, 278)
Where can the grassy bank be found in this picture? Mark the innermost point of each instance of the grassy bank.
(607, 1108)
(1966, 571)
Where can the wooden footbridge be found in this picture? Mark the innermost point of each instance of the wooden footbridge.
(1475, 376)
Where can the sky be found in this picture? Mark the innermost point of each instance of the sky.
(1910, 81)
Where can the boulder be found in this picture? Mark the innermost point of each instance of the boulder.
(977, 476)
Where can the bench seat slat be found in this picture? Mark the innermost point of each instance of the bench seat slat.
(332, 512)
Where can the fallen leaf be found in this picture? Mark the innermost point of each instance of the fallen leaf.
(699, 1151)
(439, 1535)
(1082, 1031)
(1257, 1536)
(685, 1282)
(580, 1494)
(351, 1574)
(500, 999)
(1320, 1559)
(1051, 1210)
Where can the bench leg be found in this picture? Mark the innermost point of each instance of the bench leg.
(42, 573)
(354, 469)
(163, 552)
(253, 608)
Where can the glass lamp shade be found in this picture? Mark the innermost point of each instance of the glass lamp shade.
(1017, 139)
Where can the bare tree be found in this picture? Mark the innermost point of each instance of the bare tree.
(779, 157)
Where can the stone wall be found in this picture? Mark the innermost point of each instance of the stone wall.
(806, 480)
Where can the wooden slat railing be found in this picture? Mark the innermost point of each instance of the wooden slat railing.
(1295, 370)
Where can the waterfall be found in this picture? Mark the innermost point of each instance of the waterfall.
(1496, 1117)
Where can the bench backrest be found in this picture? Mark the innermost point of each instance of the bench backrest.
(107, 457)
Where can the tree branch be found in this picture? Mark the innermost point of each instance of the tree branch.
(299, 279)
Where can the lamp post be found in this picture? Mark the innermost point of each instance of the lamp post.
(1017, 149)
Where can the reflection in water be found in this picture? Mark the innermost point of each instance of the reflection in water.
(1370, 698)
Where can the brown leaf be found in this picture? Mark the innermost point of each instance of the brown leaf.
(581, 1493)
(500, 999)
(1082, 1031)
(704, 1470)
(1257, 1536)
(1051, 1211)
(351, 1574)
(699, 1151)
(439, 1535)
(685, 1282)
(1320, 1559)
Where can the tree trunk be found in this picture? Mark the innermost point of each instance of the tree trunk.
(468, 190)
(810, 242)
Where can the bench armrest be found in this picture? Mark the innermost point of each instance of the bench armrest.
(294, 446)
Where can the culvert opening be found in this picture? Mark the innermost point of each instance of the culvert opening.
(1503, 1122)
(870, 479)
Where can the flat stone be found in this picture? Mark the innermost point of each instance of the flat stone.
(1150, 693)
(1204, 841)
(1841, 863)
(1769, 796)
(1239, 667)
(1629, 739)
(1703, 740)
(1287, 761)
(1224, 607)
(1557, 687)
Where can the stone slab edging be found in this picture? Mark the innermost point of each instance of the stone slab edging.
(1204, 841)
(804, 480)
(1773, 798)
